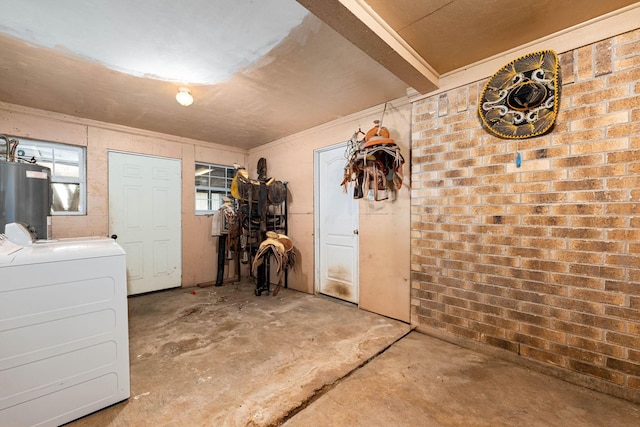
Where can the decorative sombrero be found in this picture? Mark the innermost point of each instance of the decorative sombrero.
(521, 99)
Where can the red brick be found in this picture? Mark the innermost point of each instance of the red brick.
(463, 332)
(464, 313)
(596, 246)
(625, 340)
(598, 196)
(597, 271)
(494, 179)
(599, 171)
(542, 356)
(528, 318)
(584, 56)
(578, 281)
(623, 366)
(604, 146)
(626, 76)
(596, 371)
(576, 161)
(578, 354)
(594, 97)
(577, 137)
(583, 87)
(600, 322)
(577, 233)
(634, 383)
(498, 322)
(535, 259)
(568, 303)
(623, 287)
(543, 288)
(622, 209)
(543, 198)
(452, 320)
(569, 114)
(623, 312)
(625, 182)
(600, 121)
(625, 103)
(548, 221)
(500, 343)
(548, 334)
(527, 340)
(567, 67)
(595, 346)
(603, 63)
(597, 296)
(598, 221)
(582, 184)
(577, 257)
(552, 175)
(528, 231)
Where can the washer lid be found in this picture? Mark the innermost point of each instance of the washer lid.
(63, 250)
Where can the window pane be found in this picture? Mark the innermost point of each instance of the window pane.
(202, 200)
(219, 183)
(201, 169)
(66, 197)
(218, 171)
(27, 151)
(66, 162)
(44, 154)
(216, 201)
(202, 181)
(46, 165)
(212, 183)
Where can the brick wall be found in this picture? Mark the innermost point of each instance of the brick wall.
(541, 261)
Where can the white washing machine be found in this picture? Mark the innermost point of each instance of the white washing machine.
(64, 342)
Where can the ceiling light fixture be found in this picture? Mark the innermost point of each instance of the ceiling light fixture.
(184, 97)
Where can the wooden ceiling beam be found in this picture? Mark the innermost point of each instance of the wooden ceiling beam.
(358, 23)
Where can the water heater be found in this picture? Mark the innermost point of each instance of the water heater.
(25, 196)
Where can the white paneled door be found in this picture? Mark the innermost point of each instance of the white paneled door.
(144, 214)
(336, 225)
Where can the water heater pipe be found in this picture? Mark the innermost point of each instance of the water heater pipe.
(11, 145)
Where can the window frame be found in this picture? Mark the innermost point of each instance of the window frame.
(230, 172)
(81, 180)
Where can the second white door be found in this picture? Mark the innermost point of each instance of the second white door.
(144, 212)
(336, 227)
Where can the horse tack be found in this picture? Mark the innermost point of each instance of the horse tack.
(276, 192)
(280, 247)
(245, 188)
(374, 163)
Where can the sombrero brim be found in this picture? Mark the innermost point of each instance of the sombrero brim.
(521, 99)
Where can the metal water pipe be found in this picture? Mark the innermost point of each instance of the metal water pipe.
(11, 145)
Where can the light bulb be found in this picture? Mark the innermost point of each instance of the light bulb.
(184, 97)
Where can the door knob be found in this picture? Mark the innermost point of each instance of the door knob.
(355, 231)
(114, 236)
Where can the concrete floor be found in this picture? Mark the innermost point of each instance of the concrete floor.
(221, 356)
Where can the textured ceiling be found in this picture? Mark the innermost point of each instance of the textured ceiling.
(258, 70)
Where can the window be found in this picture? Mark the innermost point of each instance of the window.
(68, 177)
(212, 183)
